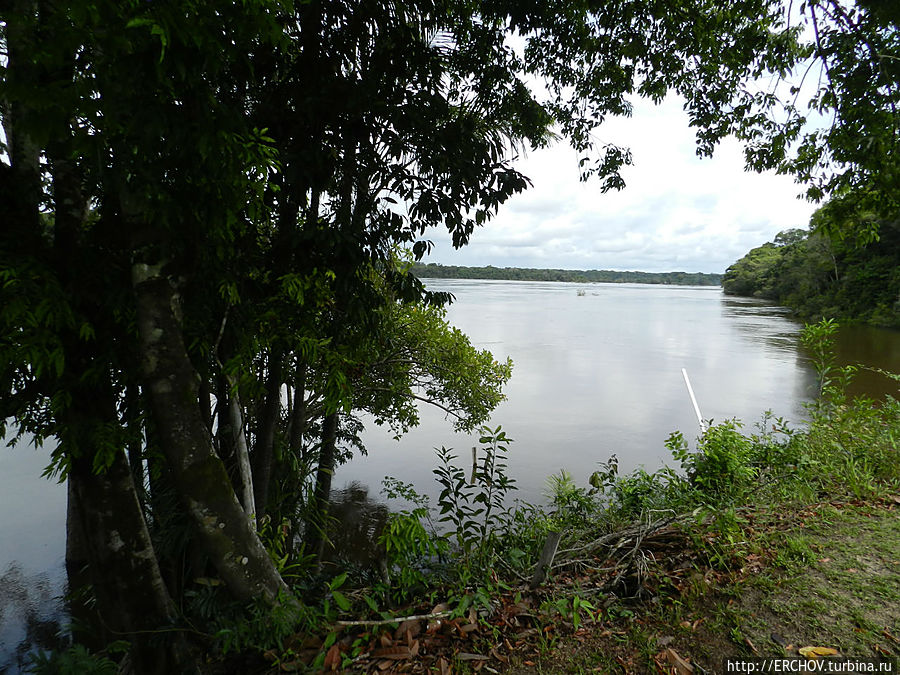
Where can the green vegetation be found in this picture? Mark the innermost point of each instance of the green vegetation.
(438, 271)
(639, 555)
(201, 277)
(825, 272)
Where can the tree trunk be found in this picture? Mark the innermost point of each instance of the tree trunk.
(200, 477)
(316, 530)
(241, 451)
(135, 442)
(131, 596)
(264, 450)
(298, 414)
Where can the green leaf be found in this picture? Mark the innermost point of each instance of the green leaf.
(341, 600)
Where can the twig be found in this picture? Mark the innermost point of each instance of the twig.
(399, 619)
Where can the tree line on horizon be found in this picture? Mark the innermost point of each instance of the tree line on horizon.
(439, 271)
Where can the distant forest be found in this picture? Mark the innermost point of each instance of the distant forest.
(820, 275)
(438, 271)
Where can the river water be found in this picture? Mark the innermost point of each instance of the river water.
(597, 371)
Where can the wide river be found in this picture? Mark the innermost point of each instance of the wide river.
(597, 371)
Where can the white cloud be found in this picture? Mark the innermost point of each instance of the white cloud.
(677, 212)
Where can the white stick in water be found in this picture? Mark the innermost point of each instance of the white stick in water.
(690, 389)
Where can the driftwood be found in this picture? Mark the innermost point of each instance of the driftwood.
(626, 553)
(398, 619)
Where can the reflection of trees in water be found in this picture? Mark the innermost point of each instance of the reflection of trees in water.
(358, 522)
(749, 315)
(31, 617)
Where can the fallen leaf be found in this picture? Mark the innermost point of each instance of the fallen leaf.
(752, 646)
(682, 667)
(825, 560)
(465, 656)
(332, 658)
(852, 570)
(409, 628)
(816, 652)
(396, 653)
(445, 667)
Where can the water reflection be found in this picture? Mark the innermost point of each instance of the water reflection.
(32, 550)
(31, 616)
(358, 520)
(875, 348)
(753, 318)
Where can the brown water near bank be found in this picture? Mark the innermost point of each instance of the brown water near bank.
(872, 348)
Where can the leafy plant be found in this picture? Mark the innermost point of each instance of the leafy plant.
(474, 508)
(573, 505)
(818, 339)
(409, 546)
(575, 609)
(77, 660)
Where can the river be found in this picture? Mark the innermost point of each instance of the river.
(597, 371)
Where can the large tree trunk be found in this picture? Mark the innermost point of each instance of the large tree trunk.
(315, 533)
(264, 449)
(200, 477)
(131, 596)
(297, 426)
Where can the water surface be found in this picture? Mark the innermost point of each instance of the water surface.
(597, 371)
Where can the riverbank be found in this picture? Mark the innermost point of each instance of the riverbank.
(763, 544)
(823, 575)
(438, 271)
(675, 595)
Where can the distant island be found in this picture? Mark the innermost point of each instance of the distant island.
(438, 271)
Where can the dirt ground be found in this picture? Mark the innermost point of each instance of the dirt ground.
(828, 576)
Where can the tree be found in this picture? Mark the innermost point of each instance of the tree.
(850, 145)
(819, 274)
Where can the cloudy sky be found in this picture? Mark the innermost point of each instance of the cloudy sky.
(677, 213)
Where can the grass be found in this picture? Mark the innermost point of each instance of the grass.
(832, 580)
